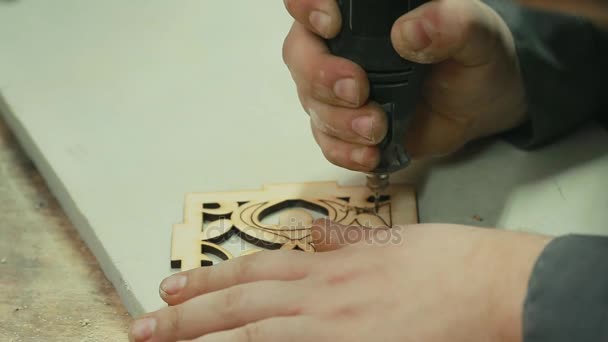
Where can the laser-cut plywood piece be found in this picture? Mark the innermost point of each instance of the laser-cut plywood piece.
(230, 224)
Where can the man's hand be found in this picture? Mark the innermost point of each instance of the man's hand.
(474, 90)
(419, 283)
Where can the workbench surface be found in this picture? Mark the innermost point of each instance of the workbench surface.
(126, 106)
(51, 287)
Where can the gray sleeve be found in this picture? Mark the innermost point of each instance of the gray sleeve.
(562, 59)
(568, 292)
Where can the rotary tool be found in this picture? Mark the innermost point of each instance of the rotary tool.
(395, 83)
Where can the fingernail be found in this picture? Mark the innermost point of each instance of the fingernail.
(364, 126)
(143, 329)
(173, 285)
(321, 22)
(347, 90)
(415, 35)
(361, 157)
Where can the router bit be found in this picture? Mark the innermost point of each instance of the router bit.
(395, 83)
(378, 183)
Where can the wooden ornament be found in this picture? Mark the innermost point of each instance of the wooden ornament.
(225, 225)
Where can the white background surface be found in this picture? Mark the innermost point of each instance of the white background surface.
(127, 105)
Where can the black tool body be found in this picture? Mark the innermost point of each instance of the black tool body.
(395, 83)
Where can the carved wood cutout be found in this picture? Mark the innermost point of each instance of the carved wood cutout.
(229, 224)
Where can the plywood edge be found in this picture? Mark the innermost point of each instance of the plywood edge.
(67, 203)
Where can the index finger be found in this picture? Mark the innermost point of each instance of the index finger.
(320, 16)
(271, 265)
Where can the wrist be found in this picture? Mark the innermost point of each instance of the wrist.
(516, 254)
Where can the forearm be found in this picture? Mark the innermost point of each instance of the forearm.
(597, 9)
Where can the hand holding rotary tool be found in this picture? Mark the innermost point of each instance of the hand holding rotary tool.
(395, 83)
(362, 69)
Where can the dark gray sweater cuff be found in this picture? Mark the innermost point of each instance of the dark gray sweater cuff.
(560, 60)
(567, 298)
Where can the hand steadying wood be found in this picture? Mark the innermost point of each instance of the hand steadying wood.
(490, 64)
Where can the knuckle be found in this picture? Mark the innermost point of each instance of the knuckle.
(251, 333)
(304, 100)
(287, 46)
(316, 134)
(318, 91)
(290, 5)
(245, 268)
(331, 154)
(175, 316)
(233, 299)
(285, 52)
(345, 312)
(199, 280)
(319, 122)
(475, 23)
(468, 28)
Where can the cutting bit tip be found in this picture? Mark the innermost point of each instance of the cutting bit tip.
(377, 183)
(377, 202)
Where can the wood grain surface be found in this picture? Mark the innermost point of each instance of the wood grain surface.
(51, 287)
(235, 223)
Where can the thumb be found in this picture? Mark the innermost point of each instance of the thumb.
(464, 31)
(329, 236)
